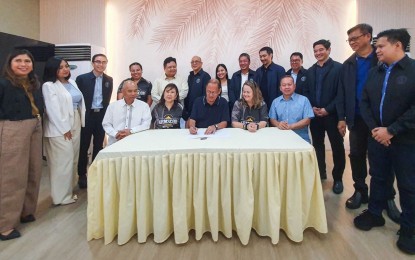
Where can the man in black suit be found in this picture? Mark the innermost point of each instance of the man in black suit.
(96, 88)
(321, 89)
(239, 78)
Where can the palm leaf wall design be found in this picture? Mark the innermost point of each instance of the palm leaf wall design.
(247, 25)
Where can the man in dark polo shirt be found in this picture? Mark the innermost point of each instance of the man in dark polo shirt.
(211, 111)
(197, 82)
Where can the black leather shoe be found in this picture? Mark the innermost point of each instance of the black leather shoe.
(355, 201)
(27, 219)
(366, 221)
(406, 241)
(14, 234)
(393, 212)
(338, 187)
(82, 182)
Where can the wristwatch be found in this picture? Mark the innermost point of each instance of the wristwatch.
(216, 127)
(131, 131)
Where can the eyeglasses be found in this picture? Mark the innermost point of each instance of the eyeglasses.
(353, 39)
(100, 62)
(295, 61)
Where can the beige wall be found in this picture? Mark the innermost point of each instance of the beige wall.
(385, 14)
(20, 17)
(75, 21)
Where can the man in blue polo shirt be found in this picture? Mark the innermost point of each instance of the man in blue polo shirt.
(211, 111)
(291, 111)
(268, 76)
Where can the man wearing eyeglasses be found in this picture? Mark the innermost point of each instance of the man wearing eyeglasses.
(297, 71)
(197, 81)
(354, 75)
(96, 87)
(169, 76)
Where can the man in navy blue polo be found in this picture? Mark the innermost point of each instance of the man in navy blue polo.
(268, 76)
(197, 82)
(210, 111)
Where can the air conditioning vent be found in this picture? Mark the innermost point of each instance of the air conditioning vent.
(74, 52)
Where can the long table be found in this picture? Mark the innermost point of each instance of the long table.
(165, 182)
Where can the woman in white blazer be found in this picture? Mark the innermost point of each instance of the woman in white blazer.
(64, 117)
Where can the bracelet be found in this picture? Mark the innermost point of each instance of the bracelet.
(245, 127)
(257, 126)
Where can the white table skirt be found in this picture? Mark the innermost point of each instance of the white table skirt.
(162, 182)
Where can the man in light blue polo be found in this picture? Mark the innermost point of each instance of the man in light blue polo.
(291, 111)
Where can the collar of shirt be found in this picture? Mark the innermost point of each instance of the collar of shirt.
(270, 67)
(134, 104)
(325, 64)
(198, 73)
(216, 103)
(370, 56)
(293, 97)
(167, 78)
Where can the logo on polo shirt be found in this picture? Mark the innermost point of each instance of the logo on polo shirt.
(168, 121)
(303, 78)
(198, 80)
(249, 119)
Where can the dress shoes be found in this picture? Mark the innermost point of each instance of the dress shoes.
(338, 187)
(393, 212)
(355, 201)
(367, 220)
(14, 234)
(82, 182)
(27, 219)
(406, 241)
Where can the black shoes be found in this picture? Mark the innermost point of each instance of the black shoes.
(27, 219)
(14, 234)
(338, 187)
(82, 182)
(355, 201)
(406, 241)
(366, 221)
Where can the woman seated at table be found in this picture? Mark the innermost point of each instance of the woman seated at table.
(250, 112)
(167, 113)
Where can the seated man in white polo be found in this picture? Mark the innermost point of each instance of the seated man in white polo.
(127, 115)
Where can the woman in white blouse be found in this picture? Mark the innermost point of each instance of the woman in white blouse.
(65, 114)
(222, 76)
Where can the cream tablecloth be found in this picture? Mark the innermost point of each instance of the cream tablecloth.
(164, 182)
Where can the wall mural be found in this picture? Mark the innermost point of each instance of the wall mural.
(148, 31)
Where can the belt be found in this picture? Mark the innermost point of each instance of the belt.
(96, 110)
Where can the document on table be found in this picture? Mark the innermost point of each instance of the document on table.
(222, 133)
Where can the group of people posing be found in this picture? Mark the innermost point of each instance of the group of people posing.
(372, 94)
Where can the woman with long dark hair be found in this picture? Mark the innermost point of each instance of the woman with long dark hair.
(65, 114)
(21, 143)
(223, 77)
